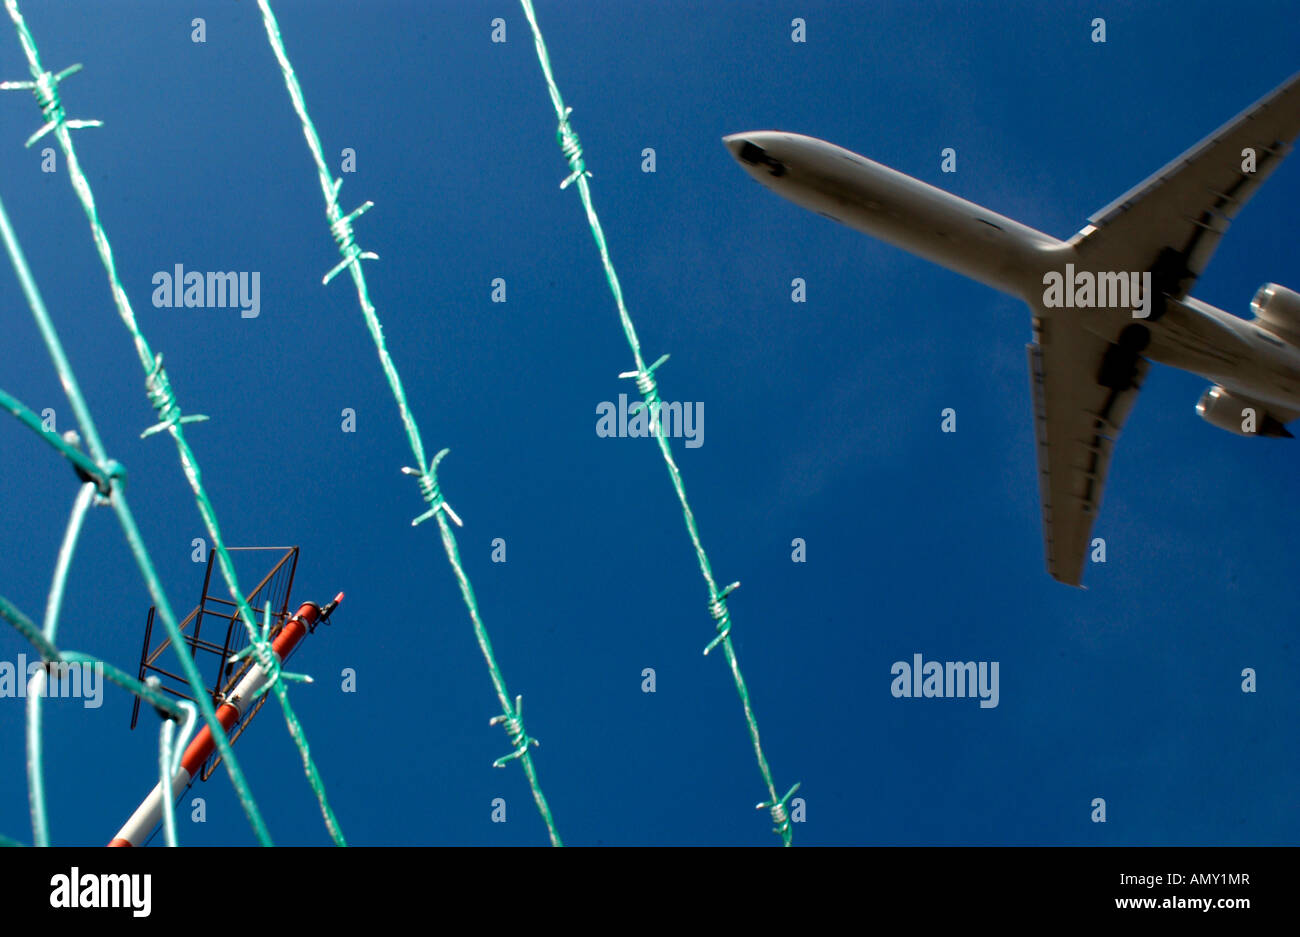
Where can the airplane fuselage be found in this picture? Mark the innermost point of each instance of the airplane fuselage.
(1011, 257)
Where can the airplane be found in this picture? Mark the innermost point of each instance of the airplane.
(1105, 303)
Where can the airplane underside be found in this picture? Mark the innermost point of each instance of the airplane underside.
(1104, 304)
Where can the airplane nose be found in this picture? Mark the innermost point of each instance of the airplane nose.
(750, 153)
(734, 143)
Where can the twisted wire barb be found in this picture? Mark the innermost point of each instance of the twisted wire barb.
(513, 722)
(157, 387)
(429, 490)
(261, 648)
(571, 148)
(426, 471)
(46, 90)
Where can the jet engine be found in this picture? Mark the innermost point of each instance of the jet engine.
(1277, 309)
(1224, 409)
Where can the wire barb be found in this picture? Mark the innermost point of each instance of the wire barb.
(571, 147)
(260, 648)
(429, 490)
(514, 726)
(646, 384)
(46, 90)
(159, 390)
(722, 617)
(346, 238)
(780, 815)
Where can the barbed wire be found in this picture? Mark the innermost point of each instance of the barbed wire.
(647, 385)
(425, 472)
(45, 87)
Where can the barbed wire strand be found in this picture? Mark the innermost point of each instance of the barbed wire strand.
(511, 717)
(644, 376)
(44, 87)
(112, 476)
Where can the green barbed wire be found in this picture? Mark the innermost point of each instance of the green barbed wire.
(175, 709)
(44, 87)
(644, 376)
(114, 476)
(511, 717)
(261, 650)
(80, 461)
(50, 655)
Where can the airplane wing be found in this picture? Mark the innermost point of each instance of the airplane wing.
(1076, 422)
(1171, 223)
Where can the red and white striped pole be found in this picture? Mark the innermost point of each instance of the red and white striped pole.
(149, 814)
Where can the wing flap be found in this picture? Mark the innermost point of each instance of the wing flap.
(1171, 222)
(1076, 424)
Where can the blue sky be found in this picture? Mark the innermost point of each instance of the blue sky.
(821, 422)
